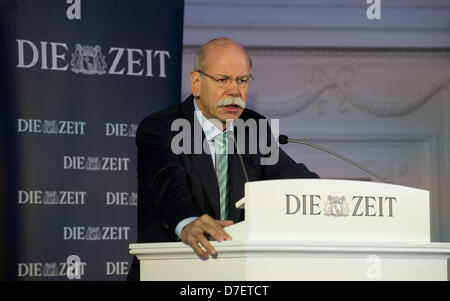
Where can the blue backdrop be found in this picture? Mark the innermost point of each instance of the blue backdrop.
(77, 78)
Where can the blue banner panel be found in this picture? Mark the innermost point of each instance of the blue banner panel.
(77, 78)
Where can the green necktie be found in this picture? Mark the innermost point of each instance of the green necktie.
(222, 173)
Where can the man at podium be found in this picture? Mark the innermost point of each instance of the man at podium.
(190, 195)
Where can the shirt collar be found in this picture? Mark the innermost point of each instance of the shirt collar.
(208, 127)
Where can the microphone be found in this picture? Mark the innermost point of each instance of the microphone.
(283, 139)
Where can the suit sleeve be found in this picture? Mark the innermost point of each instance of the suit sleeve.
(162, 179)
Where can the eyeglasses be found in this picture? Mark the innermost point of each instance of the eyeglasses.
(225, 81)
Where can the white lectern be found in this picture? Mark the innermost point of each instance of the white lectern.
(310, 229)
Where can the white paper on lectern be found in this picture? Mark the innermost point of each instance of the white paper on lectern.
(341, 211)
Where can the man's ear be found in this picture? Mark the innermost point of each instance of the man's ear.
(195, 83)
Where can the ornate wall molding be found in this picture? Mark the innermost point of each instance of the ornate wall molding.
(338, 88)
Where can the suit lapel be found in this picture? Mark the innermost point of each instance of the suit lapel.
(202, 162)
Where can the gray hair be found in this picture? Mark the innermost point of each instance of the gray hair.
(200, 54)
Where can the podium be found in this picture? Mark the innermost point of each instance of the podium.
(313, 229)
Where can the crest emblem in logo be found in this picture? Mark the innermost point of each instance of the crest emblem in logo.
(93, 163)
(88, 60)
(50, 269)
(336, 206)
(132, 130)
(93, 233)
(50, 198)
(133, 199)
(50, 127)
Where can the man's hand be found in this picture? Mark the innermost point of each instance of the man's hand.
(196, 233)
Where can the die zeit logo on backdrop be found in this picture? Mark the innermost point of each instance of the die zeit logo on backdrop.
(45, 269)
(121, 198)
(51, 197)
(96, 233)
(88, 59)
(51, 126)
(338, 206)
(116, 268)
(120, 129)
(95, 163)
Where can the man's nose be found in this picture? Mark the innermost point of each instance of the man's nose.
(233, 89)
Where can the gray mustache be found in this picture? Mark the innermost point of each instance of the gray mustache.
(231, 101)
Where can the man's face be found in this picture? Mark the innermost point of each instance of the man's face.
(224, 60)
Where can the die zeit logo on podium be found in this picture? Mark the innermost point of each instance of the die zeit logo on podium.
(382, 206)
(89, 60)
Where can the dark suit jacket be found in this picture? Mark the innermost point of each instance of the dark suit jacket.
(174, 187)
